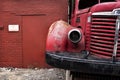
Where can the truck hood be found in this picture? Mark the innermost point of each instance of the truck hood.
(108, 6)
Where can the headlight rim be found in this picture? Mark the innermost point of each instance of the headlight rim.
(80, 33)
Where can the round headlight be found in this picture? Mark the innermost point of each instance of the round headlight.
(74, 35)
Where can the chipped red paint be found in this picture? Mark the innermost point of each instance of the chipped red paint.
(92, 35)
(98, 51)
(26, 47)
(57, 39)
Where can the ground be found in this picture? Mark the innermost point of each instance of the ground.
(31, 74)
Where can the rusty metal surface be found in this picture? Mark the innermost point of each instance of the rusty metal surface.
(26, 47)
(57, 39)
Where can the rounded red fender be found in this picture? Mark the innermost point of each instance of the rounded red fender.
(57, 39)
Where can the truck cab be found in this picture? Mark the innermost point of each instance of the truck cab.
(91, 42)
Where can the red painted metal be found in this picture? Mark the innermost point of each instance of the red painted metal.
(98, 32)
(105, 7)
(26, 47)
(92, 31)
(57, 39)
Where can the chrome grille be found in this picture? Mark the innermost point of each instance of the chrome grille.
(118, 48)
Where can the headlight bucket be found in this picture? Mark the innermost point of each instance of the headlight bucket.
(74, 35)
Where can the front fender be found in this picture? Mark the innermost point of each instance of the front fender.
(57, 39)
(57, 36)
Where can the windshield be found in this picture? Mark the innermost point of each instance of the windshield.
(86, 3)
(101, 1)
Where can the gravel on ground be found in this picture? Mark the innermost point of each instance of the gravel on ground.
(31, 74)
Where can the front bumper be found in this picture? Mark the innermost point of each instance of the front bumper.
(81, 62)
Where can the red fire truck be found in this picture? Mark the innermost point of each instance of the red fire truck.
(91, 44)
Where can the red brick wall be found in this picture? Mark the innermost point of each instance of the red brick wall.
(26, 48)
(10, 42)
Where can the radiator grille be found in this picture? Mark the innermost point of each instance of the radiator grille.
(102, 36)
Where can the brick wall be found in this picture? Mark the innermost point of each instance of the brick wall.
(26, 48)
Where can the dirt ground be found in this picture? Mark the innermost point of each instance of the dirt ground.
(31, 74)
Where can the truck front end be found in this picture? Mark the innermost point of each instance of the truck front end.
(93, 47)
